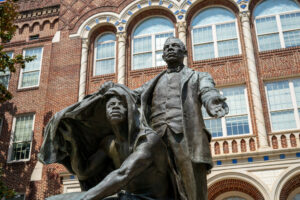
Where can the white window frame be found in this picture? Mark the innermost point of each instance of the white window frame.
(153, 44)
(279, 28)
(22, 70)
(1, 75)
(214, 35)
(223, 119)
(294, 104)
(95, 53)
(10, 149)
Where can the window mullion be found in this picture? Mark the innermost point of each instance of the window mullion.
(224, 129)
(248, 111)
(153, 50)
(214, 32)
(294, 101)
(279, 26)
(223, 122)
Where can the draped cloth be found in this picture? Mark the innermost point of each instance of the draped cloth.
(83, 125)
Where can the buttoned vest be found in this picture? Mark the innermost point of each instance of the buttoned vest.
(166, 104)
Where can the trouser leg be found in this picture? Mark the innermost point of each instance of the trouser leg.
(192, 176)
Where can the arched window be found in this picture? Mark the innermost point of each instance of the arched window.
(297, 197)
(277, 24)
(105, 54)
(148, 40)
(214, 34)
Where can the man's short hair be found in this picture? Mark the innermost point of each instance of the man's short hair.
(179, 41)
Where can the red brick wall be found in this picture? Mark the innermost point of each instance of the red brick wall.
(58, 88)
(289, 187)
(233, 185)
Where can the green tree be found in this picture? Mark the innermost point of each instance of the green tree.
(8, 15)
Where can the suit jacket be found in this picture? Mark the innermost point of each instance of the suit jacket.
(196, 89)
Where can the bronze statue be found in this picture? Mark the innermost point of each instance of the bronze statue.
(121, 155)
(171, 105)
(170, 125)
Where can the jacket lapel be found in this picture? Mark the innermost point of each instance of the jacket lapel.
(186, 74)
(149, 89)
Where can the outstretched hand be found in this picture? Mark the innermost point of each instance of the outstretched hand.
(217, 107)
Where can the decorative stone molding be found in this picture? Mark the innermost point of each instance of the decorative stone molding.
(121, 57)
(83, 69)
(254, 83)
(38, 13)
(181, 28)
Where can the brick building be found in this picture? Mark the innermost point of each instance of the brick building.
(250, 47)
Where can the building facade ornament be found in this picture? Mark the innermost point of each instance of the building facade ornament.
(121, 38)
(254, 83)
(83, 68)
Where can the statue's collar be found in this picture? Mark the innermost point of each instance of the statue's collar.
(176, 69)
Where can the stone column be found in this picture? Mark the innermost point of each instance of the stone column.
(121, 57)
(181, 28)
(254, 84)
(83, 68)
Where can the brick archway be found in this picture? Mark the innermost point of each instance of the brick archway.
(228, 185)
(289, 187)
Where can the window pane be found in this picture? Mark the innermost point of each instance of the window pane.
(228, 48)
(153, 25)
(290, 21)
(297, 90)
(142, 44)
(106, 37)
(22, 137)
(268, 7)
(20, 151)
(7, 72)
(30, 79)
(279, 95)
(160, 40)
(236, 100)
(202, 35)
(158, 59)
(23, 128)
(237, 125)
(269, 42)
(283, 120)
(36, 63)
(297, 197)
(266, 25)
(292, 38)
(214, 126)
(4, 80)
(106, 50)
(226, 31)
(141, 61)
(212, 16)
(204, 51)
(105, 66)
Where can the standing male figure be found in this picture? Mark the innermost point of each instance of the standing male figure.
(171, 104)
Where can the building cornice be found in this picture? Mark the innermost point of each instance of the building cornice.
(39, 13)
